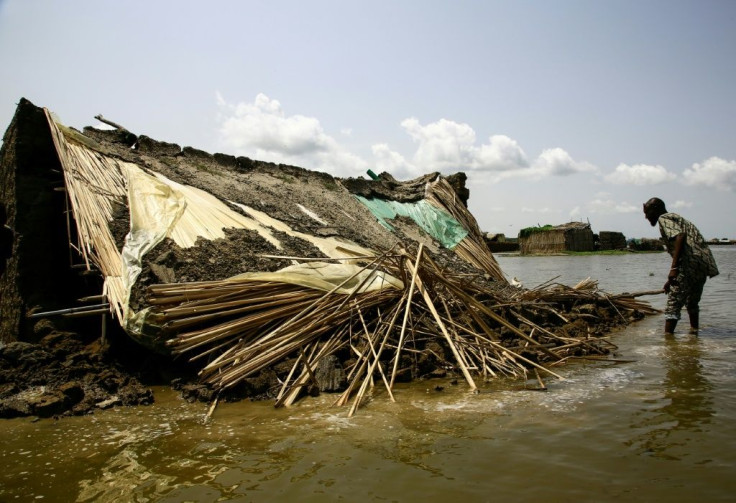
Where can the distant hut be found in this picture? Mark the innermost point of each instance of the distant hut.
(610, 240)
(646, 244)
(500, 243)
(572, 236)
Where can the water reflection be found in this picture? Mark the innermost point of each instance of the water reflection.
(687, 406)
(687, 387)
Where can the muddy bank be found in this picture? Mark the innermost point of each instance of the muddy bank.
(64, 374)
(67, 374)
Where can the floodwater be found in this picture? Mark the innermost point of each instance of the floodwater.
(659, 427)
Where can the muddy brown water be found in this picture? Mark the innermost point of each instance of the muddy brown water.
(660, 428)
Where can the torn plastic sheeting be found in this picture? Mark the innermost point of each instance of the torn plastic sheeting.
(206, 216)
(437, 223)
(154, 208)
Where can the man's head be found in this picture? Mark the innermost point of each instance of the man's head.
(653, 209)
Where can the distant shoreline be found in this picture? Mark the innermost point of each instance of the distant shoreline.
(594, 252)
(573, 253)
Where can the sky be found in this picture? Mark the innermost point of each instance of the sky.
(557, 111)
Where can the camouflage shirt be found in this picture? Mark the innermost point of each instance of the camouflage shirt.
(696, 258)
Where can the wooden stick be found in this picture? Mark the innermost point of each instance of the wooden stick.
(539, 379)
(638, 294)
(212, 407)
(100, 118)
(406, 313)
(376, 356)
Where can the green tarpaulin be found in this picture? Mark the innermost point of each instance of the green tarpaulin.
(437, 223)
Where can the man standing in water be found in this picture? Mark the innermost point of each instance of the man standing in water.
(692, 263)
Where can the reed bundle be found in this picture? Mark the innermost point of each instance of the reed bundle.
(241, 326)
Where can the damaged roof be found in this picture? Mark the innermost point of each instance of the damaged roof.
(241, 263)
(128, 193)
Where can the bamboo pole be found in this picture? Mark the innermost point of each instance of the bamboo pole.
(406, 313)
(376, 356)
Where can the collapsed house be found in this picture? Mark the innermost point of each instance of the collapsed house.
(248, 268)
(548, 239)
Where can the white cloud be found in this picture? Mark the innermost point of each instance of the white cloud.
(714, 172)
(264, 126)
(442, 145)
(682, 204)
(607, 206)
(263, 131)
(501, 153)
(557, 162)
(393, 162)
(446, 145)
(639, 174)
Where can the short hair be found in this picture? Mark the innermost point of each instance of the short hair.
(655, 203)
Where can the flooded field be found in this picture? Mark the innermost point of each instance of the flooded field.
(658, 427)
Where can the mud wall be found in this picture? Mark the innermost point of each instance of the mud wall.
(543, 242)
(38, 275)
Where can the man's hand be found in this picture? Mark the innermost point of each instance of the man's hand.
(671, 280)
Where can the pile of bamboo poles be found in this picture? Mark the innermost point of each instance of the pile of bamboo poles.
(242, 326)
(587, 288)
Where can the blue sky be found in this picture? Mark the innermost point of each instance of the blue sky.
(557, 110)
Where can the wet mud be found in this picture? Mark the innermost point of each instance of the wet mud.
(63, 374)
